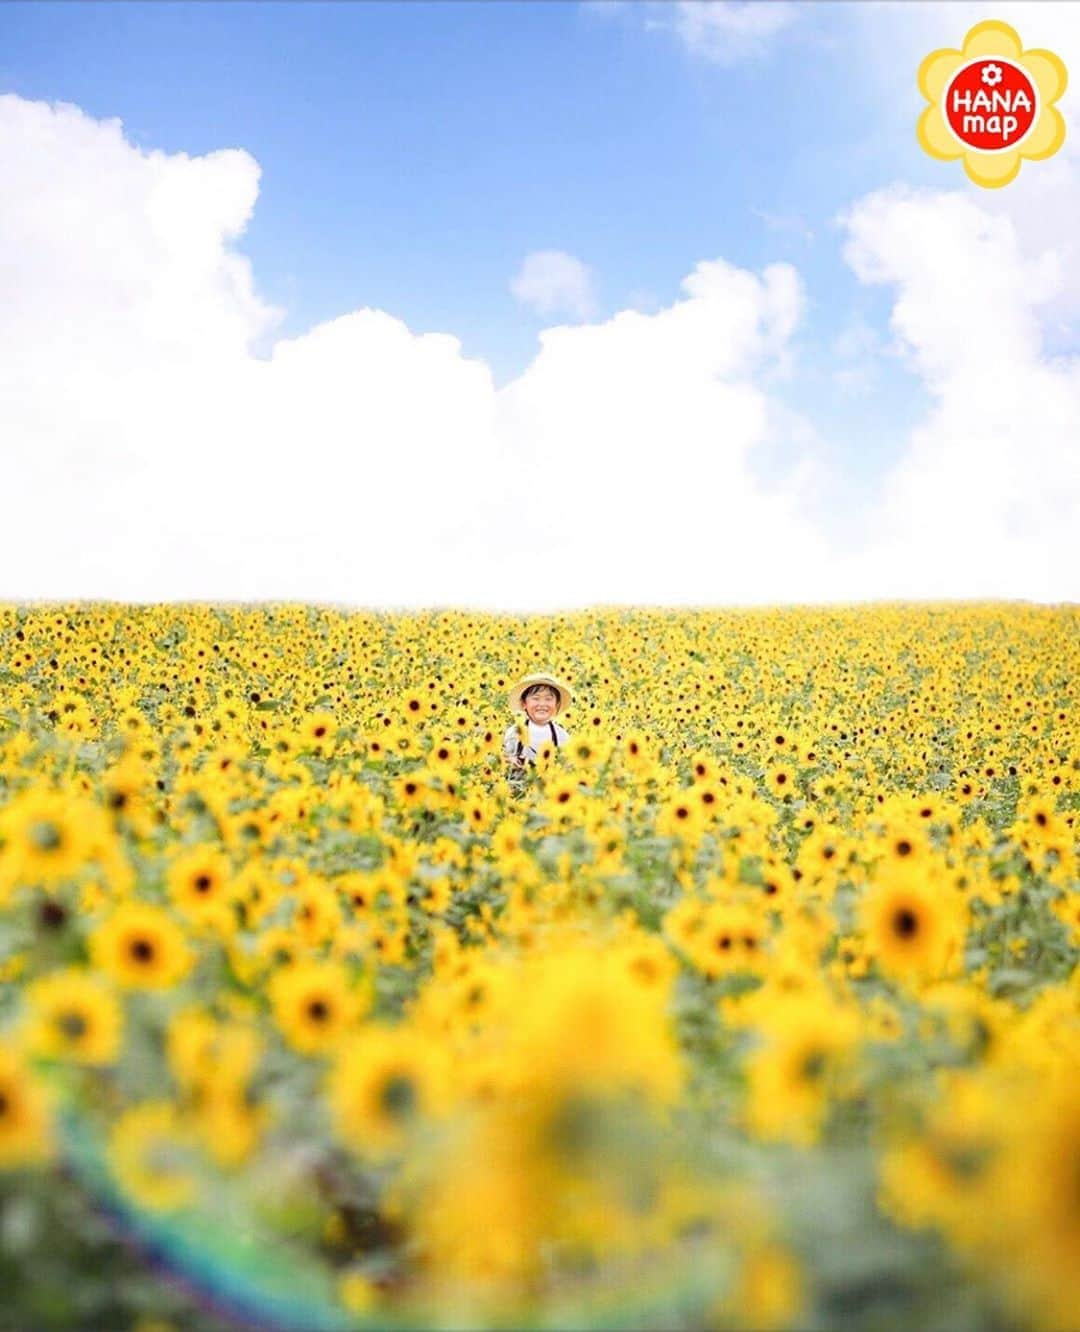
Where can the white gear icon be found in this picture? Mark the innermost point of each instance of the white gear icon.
(992, 75)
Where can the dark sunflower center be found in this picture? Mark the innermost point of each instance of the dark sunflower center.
(905, 923)
(52, 915)
(142, 950)
(46, 836)
(73, 1025)
(318, 1010)
(398, 1096)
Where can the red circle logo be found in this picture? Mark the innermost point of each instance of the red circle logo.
(990, 104)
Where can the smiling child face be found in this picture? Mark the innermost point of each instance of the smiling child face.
(540, 704)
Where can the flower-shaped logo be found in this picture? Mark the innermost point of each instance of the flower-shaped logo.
(992, 104)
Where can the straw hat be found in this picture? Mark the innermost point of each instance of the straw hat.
(541, 677)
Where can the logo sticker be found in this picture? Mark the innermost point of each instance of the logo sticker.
(991, 104)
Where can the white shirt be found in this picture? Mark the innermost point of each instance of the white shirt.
(538, 735)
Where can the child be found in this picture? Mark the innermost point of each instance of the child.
(541, 697)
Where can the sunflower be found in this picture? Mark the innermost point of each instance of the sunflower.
(125, 787)
(384, 1080)
(586, 752)
(444, 755)
(479, 812)
(412, 789)
(731, 939)
(199, 883)
(140, 946)
(913, 923)
(318, 732)
(770, 1290)
(703, 767)
(682, 816)
(1040, 1203)
(317, 911)
(25, 1124)
(1067, 909)
(150, 1152)
(1042, 829)
(780, 779)
(905, 845)
(709, 797)
(74, 1016)
(640, 753)
(777, 882)
(314, 1005)
(507, 839)
(47, 838)
(794, 1075)
(227, 1125)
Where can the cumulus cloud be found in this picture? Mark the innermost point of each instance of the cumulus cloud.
(986, 288)
(985, 500)
(552, 282)
(155, 455)
(631, 448)
(161, 442)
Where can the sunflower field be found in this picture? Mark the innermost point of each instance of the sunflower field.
(756, 1005)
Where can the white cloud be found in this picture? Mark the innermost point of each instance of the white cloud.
(891, 39)
(552, 282)
(630, 448)
(985, 500)
(986, 497)
(151, 452)
(726, 32)
(154, 455)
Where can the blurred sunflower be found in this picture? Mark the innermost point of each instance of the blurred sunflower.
(384, 1080)
(200, 884)
(150, 1152)
(914, 925)
(314, 1005)
(140, 946)
(74, 1016)
(26, 1135)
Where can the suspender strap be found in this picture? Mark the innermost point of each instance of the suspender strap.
(554, 740)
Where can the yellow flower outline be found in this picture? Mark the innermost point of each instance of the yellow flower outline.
(992, 38)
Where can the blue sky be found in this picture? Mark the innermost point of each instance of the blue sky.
(412, 155)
